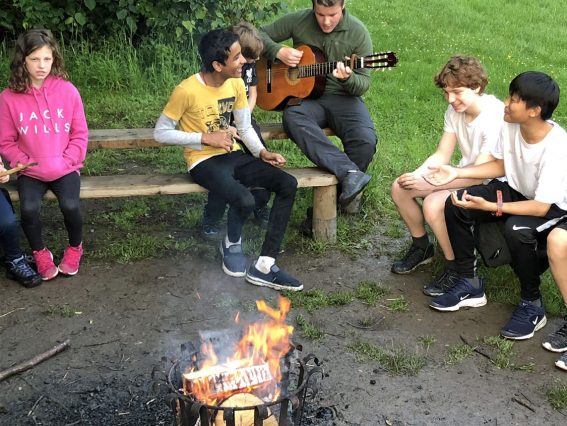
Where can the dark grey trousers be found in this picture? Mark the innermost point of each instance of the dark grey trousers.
(348, 117)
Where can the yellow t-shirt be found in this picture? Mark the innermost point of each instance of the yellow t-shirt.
(203, 109)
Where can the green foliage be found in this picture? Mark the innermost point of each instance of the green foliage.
(180, 20)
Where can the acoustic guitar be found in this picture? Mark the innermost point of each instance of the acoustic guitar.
(277, 82)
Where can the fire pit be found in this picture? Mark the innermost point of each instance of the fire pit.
(264, 382)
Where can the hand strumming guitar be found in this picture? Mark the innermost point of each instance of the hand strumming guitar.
(290, 56)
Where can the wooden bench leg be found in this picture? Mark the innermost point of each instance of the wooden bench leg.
(325, 213)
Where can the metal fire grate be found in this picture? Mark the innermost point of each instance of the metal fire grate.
(299, 385)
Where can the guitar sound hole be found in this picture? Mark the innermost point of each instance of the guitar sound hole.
(293, 74)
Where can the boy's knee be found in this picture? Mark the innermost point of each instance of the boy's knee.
(557, 244)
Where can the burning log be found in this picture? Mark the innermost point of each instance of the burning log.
(244, 417)
(225, 379)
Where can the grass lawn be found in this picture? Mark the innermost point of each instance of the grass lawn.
(126, 87)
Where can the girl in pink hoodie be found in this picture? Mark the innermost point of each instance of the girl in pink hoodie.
(42, 121)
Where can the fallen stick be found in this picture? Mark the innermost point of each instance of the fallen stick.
(18, 368)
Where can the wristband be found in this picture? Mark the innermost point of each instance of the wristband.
(498, 204)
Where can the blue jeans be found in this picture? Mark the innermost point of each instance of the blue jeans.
(9, 229)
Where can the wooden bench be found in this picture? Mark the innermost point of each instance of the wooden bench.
(323, 183)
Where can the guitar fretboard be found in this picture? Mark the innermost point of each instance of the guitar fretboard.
(325, 68)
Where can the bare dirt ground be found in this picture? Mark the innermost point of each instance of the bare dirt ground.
(125, 318)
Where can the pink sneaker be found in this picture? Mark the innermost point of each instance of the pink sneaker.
(71, 260)
(45, 266)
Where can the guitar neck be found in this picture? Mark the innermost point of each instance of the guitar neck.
(325, 68)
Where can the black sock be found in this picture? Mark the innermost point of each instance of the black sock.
(420, 242)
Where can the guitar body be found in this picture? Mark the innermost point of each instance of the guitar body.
(277, 82)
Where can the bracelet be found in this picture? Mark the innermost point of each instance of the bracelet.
(499, 203)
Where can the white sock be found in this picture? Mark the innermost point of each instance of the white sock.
(264, 263)
(227, 243)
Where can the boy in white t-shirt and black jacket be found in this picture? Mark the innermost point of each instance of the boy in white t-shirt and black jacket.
(531, 152)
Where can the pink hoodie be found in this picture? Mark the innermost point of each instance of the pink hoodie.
(47, 126)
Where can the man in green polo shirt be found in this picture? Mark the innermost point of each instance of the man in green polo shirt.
(330, 28)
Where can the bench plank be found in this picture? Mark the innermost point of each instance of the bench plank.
(139, 185)
(144, 138)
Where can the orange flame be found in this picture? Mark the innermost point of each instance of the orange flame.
(264, 343)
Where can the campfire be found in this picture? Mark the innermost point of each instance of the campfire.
(254, 364)
(245, 381)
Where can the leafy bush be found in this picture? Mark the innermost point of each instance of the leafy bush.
(178, 20)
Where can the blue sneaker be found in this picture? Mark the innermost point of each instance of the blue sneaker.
(276, 279)
(20, 270)
(526, 319)
(462, 295)
(233, 260)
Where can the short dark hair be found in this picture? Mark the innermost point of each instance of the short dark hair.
(215, 46)
(328, 3)
(462, 71)
(536, 89)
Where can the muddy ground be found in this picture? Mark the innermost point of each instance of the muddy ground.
(122, 320)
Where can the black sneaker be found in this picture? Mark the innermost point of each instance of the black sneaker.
(233, 260)
(441, 283)
(276, 279)
(262, 216)
(413, 258)
(19, 270)
(557, 342)
(209, 229)
(352, 185)
(526, 319)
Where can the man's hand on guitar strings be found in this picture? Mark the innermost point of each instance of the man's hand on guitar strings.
(342, 72)
(290, 56)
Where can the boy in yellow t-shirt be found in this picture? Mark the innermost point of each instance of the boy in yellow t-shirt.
(201, 107)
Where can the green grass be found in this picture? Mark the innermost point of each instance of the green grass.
(126, 87)
(557, 397)
(307, 329)
(396, 362)
(64, 311)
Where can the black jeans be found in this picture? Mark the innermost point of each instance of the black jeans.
(524, 234)
(214, 209)
(230, 176)
(350, 120)
(67, 190)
